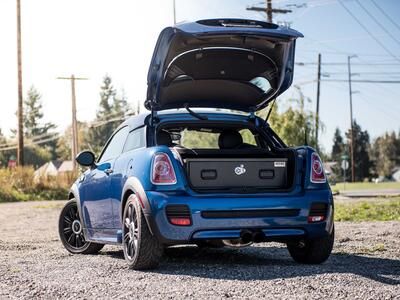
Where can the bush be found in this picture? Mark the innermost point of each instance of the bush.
(19, 184)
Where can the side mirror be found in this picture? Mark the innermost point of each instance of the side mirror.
(86, 158)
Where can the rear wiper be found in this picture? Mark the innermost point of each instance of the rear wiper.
(194, 114)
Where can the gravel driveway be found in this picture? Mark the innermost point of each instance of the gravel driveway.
(365, 265)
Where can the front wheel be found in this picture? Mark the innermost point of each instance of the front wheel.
(312, 251)
(70, 230)
(142, 250)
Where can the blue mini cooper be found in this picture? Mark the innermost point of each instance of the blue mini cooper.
(200, 167)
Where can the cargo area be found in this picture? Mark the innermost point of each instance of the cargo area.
(237, 171)
(227, 158)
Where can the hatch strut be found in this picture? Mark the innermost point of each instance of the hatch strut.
(194, 114)
(269, 112)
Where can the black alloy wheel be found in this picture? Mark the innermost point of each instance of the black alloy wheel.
(70, 229)
(142, 250)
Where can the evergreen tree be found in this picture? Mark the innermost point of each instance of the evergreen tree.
(338, 147)
(35, 130)
(33, 115)
(362, 161)
(384, 154)
(111, 112)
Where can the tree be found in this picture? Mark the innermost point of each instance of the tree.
(338, 147)
(362, 161)
(384, 154)
(112, 110)
(3, 143)
(64, 143)
(33, 115)
(295, 126)
(36, 130)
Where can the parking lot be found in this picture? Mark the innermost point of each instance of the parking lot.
(365, 264)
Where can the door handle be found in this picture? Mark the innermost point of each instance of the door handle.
(108, 171)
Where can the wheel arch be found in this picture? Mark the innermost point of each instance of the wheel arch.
(74, 194)
(134, 186)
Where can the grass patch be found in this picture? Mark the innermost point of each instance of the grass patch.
(351, 186)
(20, 184)
(370, 210)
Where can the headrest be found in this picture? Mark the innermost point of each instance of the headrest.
(164, 138)
(229, 139)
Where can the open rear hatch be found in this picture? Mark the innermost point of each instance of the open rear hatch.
(222, 63)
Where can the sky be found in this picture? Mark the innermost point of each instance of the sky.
(92, 38)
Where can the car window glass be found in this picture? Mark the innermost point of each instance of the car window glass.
(199, 139)
(248, 137)
(115, 146)
(135, 140)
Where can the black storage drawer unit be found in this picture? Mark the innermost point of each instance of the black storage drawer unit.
(237, 173)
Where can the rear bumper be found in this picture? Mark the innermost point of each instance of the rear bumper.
(277, 228)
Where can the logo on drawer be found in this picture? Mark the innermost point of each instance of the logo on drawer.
(279, 164)
(240, 170)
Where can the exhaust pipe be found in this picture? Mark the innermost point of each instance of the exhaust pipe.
(258, 237)
(246, 236)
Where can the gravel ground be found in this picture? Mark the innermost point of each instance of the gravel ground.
(33, 264)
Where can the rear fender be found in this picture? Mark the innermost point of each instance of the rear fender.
(133, 185)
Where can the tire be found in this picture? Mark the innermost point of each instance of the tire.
(142, 250)
(70, 231)
(313, 251)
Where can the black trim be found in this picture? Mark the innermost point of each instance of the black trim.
(318, 209)
(259, 213)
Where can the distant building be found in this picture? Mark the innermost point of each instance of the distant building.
(396, 174)
(329, 166)
(54, 168)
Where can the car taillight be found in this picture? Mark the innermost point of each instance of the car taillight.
(162, 170)
(317, 169)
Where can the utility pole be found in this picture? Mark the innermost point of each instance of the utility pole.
(74, 127)
(20, 152)
(174, 8)
(318, 93)
(269, 10)
(351, 121)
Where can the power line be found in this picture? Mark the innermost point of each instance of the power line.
(31, 138)
(269, 10)
(369, 32)
(74, 148)
(344, 64)
(386, 15)
(362, 80)
(30, 143)
(377, 22)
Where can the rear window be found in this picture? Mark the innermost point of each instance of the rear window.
(196, 139)
(199, 139)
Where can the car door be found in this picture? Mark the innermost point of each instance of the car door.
(95, 190)
(123, 168)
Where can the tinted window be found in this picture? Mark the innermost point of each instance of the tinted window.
(248, 137)
(114, 147)
(135, 140)
(199, 139)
